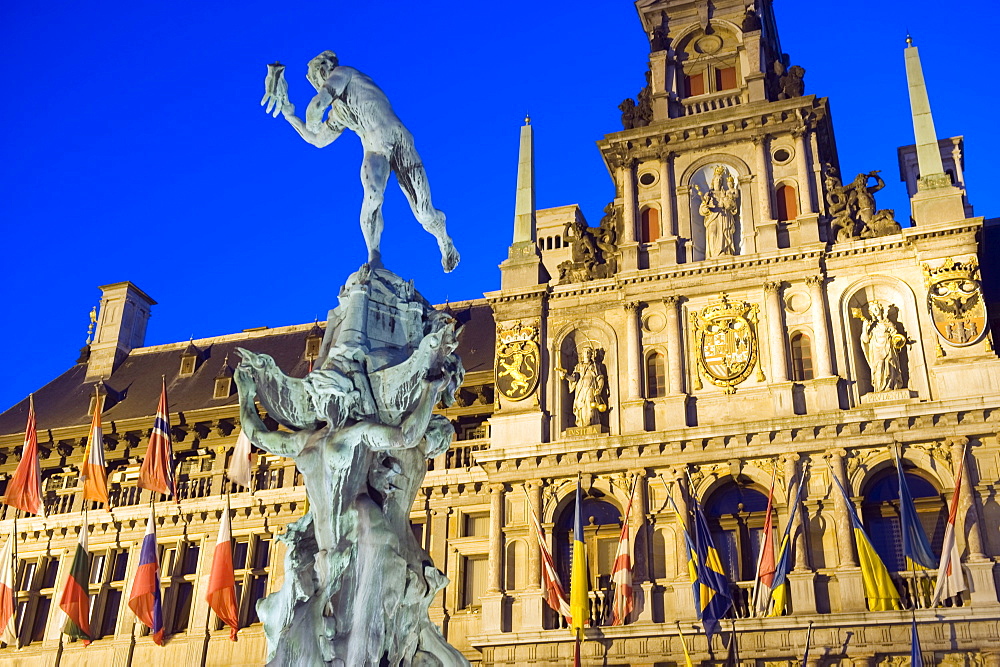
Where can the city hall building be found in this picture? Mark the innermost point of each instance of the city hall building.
(743, 313)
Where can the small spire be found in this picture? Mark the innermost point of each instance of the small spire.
(527, 119)
(909, 40)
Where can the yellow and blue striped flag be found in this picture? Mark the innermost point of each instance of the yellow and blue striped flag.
(879, 589)
(712, 597)
(916, 546)
(579, 602)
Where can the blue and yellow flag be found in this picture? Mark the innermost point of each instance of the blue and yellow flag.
(689, 546)
(916, 546)
(779, 584)
(579, 602)
(879, 589)
(712, 598)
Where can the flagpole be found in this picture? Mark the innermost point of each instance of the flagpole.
(914, 594)
(805, 654)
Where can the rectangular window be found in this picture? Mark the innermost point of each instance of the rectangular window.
(694, 84)
(473, 581)
(477, 525)
(252, 566)
(725, 78)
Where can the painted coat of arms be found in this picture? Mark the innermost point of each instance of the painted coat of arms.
(518, 360)
(955, 301)
(725, 343)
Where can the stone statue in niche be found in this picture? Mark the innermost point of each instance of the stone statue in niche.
(593, 249)
(852, 207)
(356, 103)
(881, 342)
(587, 383)
(719, 209)
(360, 429)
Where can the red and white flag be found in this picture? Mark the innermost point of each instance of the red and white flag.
(94, 472)
(239, 465)
(221, 595)
(951, 579)
(25, 488)
(555, 594)
(621, 573)
(8, 629)
(157, 471)
(766, 565)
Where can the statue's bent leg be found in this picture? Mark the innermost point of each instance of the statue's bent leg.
(374, 176)
(412, 179)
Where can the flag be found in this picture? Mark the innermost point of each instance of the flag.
(144, 599)
(157, 472)
(239, 465)
(879, 589)
(916, 658)
(222, 581)
(689, 547)
(805, 653)
(76, 595)
(621, 573)
(555, 594)
(951, 578)
(8, 628)
(765, 564)
(25, 488)
(779, 582)
(579, 598)
(94, 472)
(714, 598)
(916, 546)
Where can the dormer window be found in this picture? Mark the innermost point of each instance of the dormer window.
(224, 381)
(190, 359)
(314, 339)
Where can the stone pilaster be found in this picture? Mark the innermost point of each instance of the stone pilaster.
(633, 349)
(806, 196)
(532, 599)
(492, 601)
(675, 356)
(967, 522)
(801, 580)
(845, 537)
(627, 171)
(765, 225)
(824, 360)
(775, 331)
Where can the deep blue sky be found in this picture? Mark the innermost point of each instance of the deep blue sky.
(134, 147)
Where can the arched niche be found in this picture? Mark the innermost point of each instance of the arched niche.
(898, 301)
(732, 196)
(569, 345)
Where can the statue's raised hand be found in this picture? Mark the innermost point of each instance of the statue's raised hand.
(276, 91)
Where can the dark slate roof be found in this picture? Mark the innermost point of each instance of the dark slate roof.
(134, 387)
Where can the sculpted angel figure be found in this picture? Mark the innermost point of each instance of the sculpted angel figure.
(881, 342)
(355, 103)
(719, 208)
(586, 382)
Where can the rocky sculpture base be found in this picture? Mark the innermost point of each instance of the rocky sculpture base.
(361, 428)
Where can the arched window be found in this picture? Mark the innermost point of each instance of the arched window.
(655, 378)
(736, 515)
(802, 366)
(880, 513)
(788, 203)
(558, 242)
(650, 225)
(601, 528)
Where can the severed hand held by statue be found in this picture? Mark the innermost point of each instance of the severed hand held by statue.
(276, 92)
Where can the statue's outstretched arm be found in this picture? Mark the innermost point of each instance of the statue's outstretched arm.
(273, 442)
(323, 135)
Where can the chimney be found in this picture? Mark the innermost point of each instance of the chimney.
(121, 327)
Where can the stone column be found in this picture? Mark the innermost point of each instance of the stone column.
(802, 168)
(640, 568)
(775, 331)
(845, 537)
(967, 521)
(633, 348)
(763, 156)
(675, 356)
(798, 528)
(684, 221)
(534, 488)
(495, 576)
(628, 200)
(669, 206)
(437, 548)
(821, 346)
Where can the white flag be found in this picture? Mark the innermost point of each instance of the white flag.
(951, 579)
(239, 465)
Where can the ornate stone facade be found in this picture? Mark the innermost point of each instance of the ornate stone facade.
(805, 349)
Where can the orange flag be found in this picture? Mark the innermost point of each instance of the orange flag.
(222, 580)
(25, 489)
(94, 472)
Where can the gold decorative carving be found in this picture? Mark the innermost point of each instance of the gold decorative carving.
(725, 348)
(518, 360)
(955, 301)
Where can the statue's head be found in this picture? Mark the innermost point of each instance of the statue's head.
(320, 68)
(587, 355)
